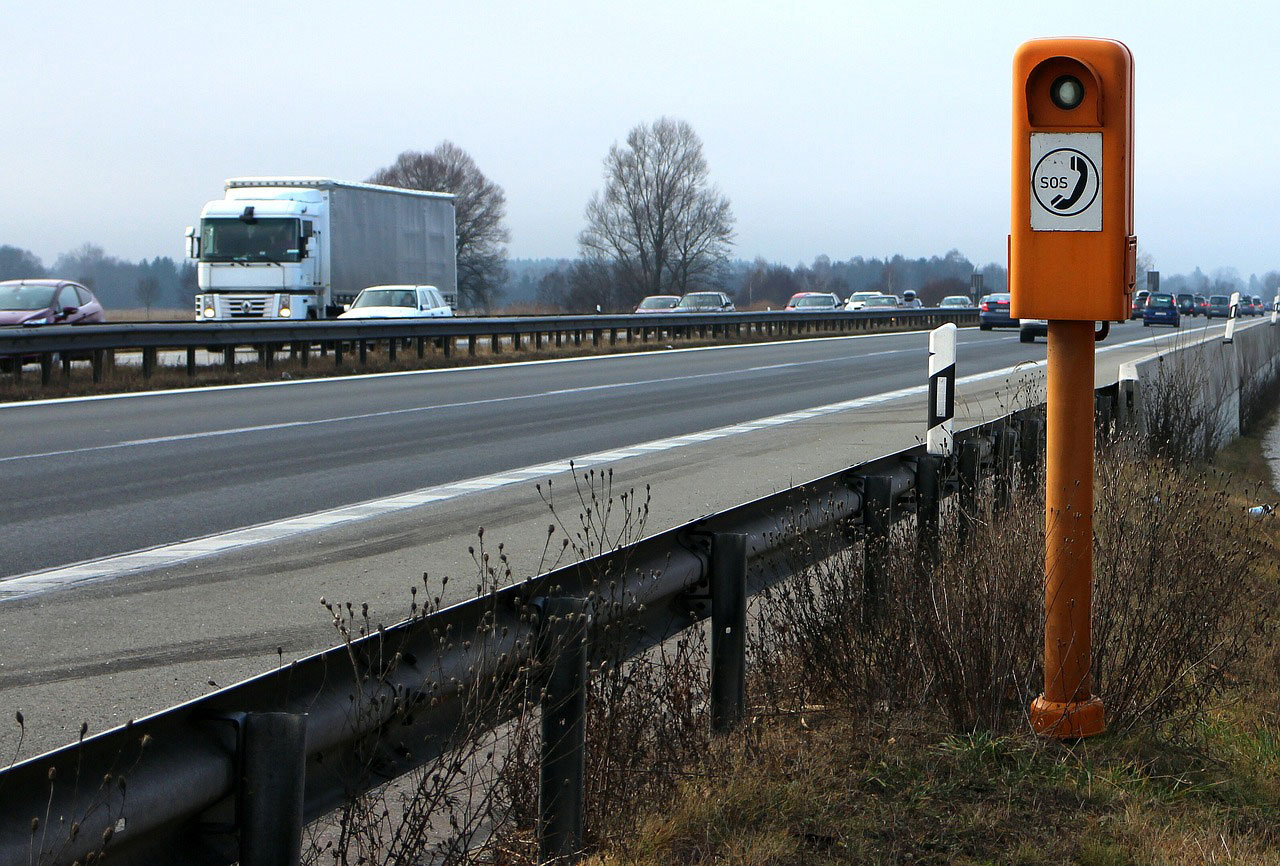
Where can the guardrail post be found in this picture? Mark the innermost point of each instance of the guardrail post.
(337, 353)
(877, 520)
(613, 336)
(728, 629)
(148, 361)
(422, 347)
(97, 365)
(928, 505)
(449, 346)
(1030, 432)
(561, 789)
(577, 336)
(471, 345)
(495, 344)
(304, 352)
(596, 334)
(363, 349)
(191, 362)
(46, 368)
(970, 469)
(229, 358)
(1103, 416)
(1006, 447)
(391, 349)
(273, 765)
(516, 341)
(537, 340)
(66, 367)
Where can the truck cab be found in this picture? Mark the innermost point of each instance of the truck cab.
(260, 254)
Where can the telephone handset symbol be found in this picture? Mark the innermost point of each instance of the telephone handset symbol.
(1081, 168)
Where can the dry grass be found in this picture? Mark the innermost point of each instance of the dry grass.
(909, 743)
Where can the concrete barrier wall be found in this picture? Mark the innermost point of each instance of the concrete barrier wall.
(1224, 381)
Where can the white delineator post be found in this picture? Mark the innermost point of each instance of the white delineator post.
(940, 441)
(1231, 318)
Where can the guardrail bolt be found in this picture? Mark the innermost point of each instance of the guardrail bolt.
(728, 629)
(561, 788)
(877, 522)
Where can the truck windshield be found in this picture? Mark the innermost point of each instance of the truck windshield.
(263, 240)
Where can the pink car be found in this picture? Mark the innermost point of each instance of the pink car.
(48, 302)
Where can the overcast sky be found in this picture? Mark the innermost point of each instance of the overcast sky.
(838, 128)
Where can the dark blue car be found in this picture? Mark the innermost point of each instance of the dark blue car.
(1160, 310)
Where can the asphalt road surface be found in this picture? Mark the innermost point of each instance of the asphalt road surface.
(98, 477)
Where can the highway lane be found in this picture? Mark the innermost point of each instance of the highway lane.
(92, 478)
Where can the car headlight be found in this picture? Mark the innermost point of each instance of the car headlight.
(286, 313)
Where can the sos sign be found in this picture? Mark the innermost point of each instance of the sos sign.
(1072, 253)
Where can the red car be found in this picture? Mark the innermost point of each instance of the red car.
(48, 302)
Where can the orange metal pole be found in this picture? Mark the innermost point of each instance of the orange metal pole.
(1067, 709)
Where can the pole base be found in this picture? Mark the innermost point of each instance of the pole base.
(1070, 720)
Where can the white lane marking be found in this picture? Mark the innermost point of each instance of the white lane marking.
(106, 568)
(323, 380)
(559, 392)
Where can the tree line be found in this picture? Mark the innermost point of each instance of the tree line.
(118, 283)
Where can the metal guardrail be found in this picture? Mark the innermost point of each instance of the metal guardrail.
(185, 785)
(336, 337)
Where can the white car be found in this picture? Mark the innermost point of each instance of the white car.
(398, 302)
(1029, 329)
(859, 299)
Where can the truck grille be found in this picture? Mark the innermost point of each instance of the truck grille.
(244, 307)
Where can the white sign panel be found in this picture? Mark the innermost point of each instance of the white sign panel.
(1066, 181)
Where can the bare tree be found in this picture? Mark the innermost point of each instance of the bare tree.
(479, 210)
(147, 290)
(658, 221)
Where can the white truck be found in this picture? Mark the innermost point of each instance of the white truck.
(302, 248)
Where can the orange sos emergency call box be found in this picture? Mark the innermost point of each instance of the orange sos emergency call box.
(1072, 252)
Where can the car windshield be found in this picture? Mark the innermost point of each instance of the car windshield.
(1220, 299)
(862, 296)
(701, 299)
(814, 301)
(658, 303)
(1160, 301)
(262, 240)
(883, 301)
(955, 301)
(386, 298)
(14, 298)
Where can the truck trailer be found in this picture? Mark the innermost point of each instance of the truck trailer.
(302, 247)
